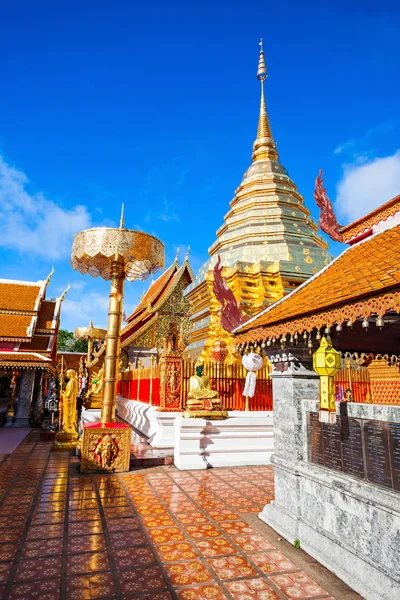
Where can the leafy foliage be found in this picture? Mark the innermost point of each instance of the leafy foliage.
(296, 544)
(67, 343)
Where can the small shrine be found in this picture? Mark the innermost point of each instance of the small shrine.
(163, 303)
(28, 347)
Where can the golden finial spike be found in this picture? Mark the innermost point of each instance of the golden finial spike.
(187, 253)
(264, 146)
(62, 297)
(91, 323)
(122, 221)
(49, 276)
(177, 256)
(262, 69)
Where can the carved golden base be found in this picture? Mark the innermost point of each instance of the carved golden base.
(65, 441)
(105, 447)
(94, 401)
(206, 414)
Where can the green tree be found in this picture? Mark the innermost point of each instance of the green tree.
(67, 343)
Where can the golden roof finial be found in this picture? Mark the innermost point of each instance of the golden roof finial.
(177, 256)
(122, 221)
(187, 254)
(264, 146)
(49, 276)
(62, 297)
(91, 323)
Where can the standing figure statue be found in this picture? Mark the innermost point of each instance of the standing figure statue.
(67, 437)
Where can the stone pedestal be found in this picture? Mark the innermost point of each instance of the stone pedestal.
(350, 526)
(243, 439)
(25, 396)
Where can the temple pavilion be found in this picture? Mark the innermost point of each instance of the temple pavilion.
(28, 346)
(148, 326)
(337, 480)
(268, 243)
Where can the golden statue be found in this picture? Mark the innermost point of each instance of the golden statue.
(67, 437)
(94, 395)
(105, 452)
(202, 401)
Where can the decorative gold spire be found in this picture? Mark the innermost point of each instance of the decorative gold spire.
(122, 220)
(49, 276)
(65, 292)
(177, 256)
(264, 146)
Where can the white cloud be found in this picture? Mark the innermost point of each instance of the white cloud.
(32, 224)
(78, 308)
(367, 184)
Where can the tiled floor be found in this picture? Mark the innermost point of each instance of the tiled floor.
(154, 535)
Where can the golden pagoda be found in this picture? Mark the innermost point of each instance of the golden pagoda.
(268, 243)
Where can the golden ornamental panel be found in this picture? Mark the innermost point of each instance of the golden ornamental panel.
(105, 448)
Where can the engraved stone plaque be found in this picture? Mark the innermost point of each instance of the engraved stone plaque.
(352, 448)
(315, 445)
(332, 445)
(377, 453)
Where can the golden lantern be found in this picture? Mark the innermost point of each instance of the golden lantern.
(219, 351)
(326, 362)
(115, 255)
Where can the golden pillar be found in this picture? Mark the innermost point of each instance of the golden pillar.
(326, 362)
(114, 254)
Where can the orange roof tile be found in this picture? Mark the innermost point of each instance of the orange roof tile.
(14, 326)
(154, 291)
(39, 343)
(365, 270)
(18, 296)
(46, 314)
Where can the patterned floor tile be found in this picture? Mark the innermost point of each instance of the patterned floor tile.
(38, 568)
(99, 585)
(236, 527)
(191, 518)
(252, 543)
(43, 590)
(218, 547)
(176, 551)
(188, 573)
(252, 589)
(86, 543)
(166, 534)
(202, 531)
(87, 563)
(232, 567)
(273, 562)
(297, 585)
(126, 558)
(206, 592)
(140, 580)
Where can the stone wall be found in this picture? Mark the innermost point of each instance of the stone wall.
(349, 525)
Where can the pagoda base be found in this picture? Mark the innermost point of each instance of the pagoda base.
(65, 442)
(105, 447)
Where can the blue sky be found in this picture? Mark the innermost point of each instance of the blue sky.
(156, 104)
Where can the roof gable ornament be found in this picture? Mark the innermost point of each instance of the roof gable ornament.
(327, 217)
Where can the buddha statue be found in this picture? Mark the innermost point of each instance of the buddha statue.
(202, 401)
(94, 395)
(67, 437)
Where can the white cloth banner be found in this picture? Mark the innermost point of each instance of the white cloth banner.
(250, 385)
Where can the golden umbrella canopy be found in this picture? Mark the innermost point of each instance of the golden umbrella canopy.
(90, 333)
(94, 251)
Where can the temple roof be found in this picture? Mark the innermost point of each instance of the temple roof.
(28, 322)
(30, 360)
(153, 300)
(362, 281)
(377, 220)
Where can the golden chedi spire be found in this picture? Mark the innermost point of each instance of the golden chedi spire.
(264, 146)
